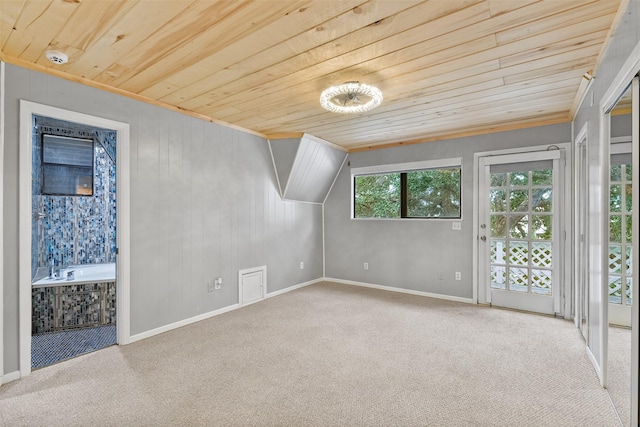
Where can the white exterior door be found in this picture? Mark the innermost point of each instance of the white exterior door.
(519, 231)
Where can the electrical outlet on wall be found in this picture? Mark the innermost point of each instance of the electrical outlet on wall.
(366, 265)
(301, 265)
(218, 283)
(458, 275)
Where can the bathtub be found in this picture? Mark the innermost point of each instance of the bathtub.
(85, 273)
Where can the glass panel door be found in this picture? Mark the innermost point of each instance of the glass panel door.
(521, 242)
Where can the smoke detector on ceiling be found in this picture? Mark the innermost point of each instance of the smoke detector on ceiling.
(57, 57)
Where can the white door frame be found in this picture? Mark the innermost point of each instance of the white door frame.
(635, 309)
(27, 111)
(2, 91)
(566, 274)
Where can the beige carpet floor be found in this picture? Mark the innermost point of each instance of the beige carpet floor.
(619, 380)
(329, 355)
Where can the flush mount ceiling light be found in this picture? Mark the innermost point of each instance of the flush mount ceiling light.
(57, 57)
(350, 97)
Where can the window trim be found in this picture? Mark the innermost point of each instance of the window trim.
(452, 162)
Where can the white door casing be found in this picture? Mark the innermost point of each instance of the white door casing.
(635, 308)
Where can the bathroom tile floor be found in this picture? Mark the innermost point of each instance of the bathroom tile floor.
(48, 349)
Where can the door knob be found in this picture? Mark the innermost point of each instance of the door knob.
(483, 238)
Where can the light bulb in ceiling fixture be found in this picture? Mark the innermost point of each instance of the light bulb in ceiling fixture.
(351, 97)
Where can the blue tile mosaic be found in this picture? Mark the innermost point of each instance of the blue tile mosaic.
(58, 346)
(107, 138)
(75, 229)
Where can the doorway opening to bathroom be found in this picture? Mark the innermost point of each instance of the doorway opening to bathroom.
(73, 240)
(74, 225)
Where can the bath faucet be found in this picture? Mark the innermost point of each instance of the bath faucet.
(53, 271)
(58, 273)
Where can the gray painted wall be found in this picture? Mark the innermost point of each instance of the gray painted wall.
(204, 203)
(408, 254)
(284, 153)
(626, 37)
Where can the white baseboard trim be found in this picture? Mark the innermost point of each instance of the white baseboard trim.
(595, 364)
(401, 290)
(181, 323)
(227, 309)
(11, 376)
(204, 316)
(293, 288)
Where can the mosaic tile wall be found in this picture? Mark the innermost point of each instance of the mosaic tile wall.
(59, 308)
(75, 229)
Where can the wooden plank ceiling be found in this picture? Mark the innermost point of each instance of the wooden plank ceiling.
(446, 67)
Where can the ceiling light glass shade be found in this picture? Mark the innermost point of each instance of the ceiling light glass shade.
(350, 97)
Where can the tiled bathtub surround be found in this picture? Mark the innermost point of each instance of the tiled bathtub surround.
(75, 229)
(58, 308)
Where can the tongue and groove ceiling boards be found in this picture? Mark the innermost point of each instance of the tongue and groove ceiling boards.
(446, 67)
